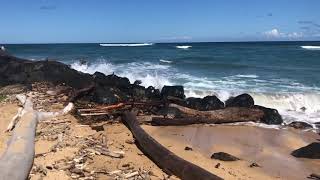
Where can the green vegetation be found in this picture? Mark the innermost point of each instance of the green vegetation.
(2, 97)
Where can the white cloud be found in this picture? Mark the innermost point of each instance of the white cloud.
(275, 33)
(294, 35)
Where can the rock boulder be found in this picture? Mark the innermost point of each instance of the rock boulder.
(243, 100)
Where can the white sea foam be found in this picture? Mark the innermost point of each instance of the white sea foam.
(311, 47)
(293, 106)
(246, 76)
(104, 67)
(126, 45)
(183, 47)
(150, 74)
(165, 61)
(299, 106)
(302, 106)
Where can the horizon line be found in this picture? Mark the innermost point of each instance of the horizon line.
(183, 42)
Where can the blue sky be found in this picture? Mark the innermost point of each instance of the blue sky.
(54, 21)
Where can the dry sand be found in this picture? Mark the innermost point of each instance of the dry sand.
(49, 152)
(270, 148)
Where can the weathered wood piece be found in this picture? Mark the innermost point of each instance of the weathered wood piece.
(81, 92)
(165, 159)
(17, 160)
(228, 115)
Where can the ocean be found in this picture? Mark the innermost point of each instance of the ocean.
(280, 75)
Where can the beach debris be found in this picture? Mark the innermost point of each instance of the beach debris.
(129, 175)
(165, 159)
(314, 176)
(188, 148)
(254, 165)
(98, 128)
(217, 165)
(115, 110)
(300, 125)
(130, 141)
(222, 156)
(228, 115)
(22, 159)
(38, 170)
(311, 151)
(14, 89)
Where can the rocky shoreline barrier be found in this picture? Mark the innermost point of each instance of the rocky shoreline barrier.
(111, 89)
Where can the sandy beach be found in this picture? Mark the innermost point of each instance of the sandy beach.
(269, 148)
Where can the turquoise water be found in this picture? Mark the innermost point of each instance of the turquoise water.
(283, 75)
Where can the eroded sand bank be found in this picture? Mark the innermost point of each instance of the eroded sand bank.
(270, 148)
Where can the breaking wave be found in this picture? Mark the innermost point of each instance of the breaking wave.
(149, 73)
(299, 106)
(292, 106)
(126, 45)
(183, 47)
(311, 47)
(247, 76)
(165, 61)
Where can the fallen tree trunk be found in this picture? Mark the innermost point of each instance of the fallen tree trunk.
(228, 115)
(165, 159)
(16, 162)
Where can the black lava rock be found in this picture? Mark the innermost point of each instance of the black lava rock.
(153, 93)
(137, 92)
(174, 91)
(224, 156)
(243, 100)
(271, 116)
(211, 103)
(106, 95)
(111, 80)
(206, 104)
(311, 151)
(193, 103)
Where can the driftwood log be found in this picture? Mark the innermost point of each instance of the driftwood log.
(81, 92)
(165, 159)
(228, 115)
(16, 162)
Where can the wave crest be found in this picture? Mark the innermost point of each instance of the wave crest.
(150, 74)
(311, 47)
(165, 61)
(183, 47)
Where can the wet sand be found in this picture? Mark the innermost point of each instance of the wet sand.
(270, 148)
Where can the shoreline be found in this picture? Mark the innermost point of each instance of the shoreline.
(249, 143)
